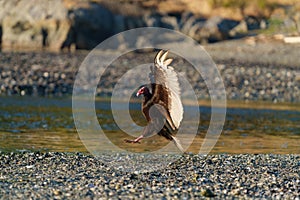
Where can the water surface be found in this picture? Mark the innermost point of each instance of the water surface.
(46, 124)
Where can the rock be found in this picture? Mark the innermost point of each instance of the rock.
(291, 40)
(158, 20)
(296, 19)
(207, 193)
(191, 25)
(217, 29)
(133, 22)
(119, 23)
(263, 24)
(169, 22)
(253, 23)
(27, 26)
(6, 7)
(92, 24)
(240, 29)
(151, 20)
(291, 18)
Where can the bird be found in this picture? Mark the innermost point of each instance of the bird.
(161, 106)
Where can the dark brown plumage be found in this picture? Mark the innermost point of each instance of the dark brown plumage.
(161, 106)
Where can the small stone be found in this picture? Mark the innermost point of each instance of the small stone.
(57, 192)
(207, 193)
(46, 74)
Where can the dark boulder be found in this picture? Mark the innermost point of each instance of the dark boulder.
(92, 25)
(216, 29)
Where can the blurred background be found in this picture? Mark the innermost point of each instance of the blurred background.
(255, 45)
(82, 24)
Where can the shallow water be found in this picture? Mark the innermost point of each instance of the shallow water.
(46, 124)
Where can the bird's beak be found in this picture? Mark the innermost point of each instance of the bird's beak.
(139, 92)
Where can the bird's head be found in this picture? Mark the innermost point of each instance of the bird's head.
(143, 90)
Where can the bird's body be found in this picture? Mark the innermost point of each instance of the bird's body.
(162, 105)
(149, 101)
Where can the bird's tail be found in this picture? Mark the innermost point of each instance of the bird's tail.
(177, 143)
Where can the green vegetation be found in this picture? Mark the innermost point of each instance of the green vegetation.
(275, 26)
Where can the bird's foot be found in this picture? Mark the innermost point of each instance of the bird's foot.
(132, 141)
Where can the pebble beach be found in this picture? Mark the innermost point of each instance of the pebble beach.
(262, 73)
(79, 176)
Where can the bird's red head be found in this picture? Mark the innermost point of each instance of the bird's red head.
(143, 90)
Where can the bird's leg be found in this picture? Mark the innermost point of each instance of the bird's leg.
(137, 140)
(154, 126)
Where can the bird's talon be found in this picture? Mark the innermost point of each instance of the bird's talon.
(131, 141)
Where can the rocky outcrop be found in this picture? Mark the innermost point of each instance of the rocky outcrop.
(90, 25)
(61, 24)
(53, 24)
(25, 25)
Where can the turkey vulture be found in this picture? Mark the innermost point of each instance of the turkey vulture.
(161, 105)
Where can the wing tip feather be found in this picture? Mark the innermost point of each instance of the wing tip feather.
(161, 58)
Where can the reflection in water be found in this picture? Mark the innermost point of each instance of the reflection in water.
(46, 124)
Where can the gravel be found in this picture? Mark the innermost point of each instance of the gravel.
(38, 73)
(47, 175)
(246, 74)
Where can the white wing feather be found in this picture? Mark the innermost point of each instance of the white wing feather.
(165, 75)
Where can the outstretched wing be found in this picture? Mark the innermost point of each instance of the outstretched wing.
(165, 89)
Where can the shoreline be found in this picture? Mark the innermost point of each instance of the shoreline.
(239, 104)
(250, 72)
